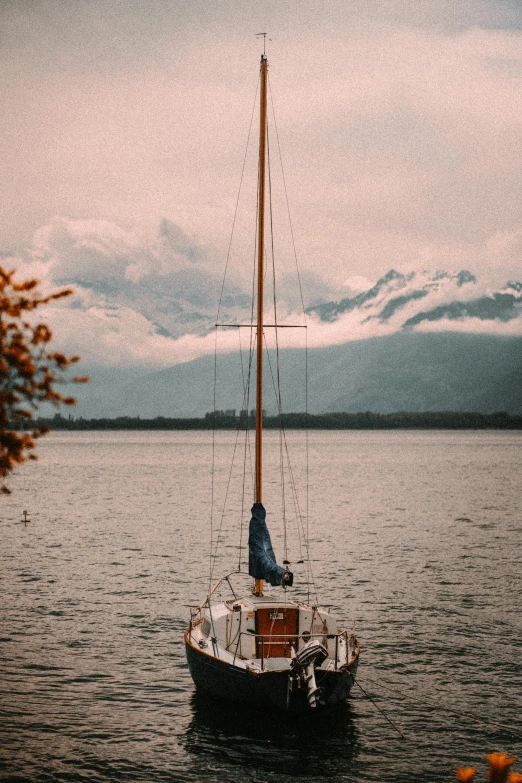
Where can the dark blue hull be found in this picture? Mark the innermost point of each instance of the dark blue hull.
(265, 689)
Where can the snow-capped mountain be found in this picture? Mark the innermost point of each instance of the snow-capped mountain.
(409, 300)
(143, 313)
(151, 301)
(157, 322)
(176, 314)
(423, 342)
(410, 342)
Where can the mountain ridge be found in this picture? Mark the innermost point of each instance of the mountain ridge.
(406, 371)
(394, 291)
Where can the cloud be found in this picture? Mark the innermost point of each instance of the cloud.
(86, 250)
(399, 124)
(119, 336)
(151, 300)
(357, 284)
(138, 299)
(512, 328)
(399, 130)
(136, 269)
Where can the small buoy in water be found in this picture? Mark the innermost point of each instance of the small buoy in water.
(24, 521)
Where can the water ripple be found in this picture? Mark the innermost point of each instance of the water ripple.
(419, 545)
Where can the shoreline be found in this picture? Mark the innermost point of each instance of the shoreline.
(428, 420)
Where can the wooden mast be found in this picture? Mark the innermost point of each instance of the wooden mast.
(260, 294)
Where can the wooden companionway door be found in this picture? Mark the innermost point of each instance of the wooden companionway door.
(280, 623)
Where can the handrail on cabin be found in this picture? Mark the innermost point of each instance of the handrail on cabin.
(305, 635)
(206, 600)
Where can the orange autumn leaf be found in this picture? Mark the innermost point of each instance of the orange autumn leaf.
(499, 764)
(28, 371)
(465, 774)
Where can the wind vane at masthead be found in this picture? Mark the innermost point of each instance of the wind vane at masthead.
(258, 35)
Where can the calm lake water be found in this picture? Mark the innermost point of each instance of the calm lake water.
(415, 536)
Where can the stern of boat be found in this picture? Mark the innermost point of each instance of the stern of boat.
(269, 651)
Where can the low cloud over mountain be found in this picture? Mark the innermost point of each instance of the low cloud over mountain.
(151, 301)
(145, 303)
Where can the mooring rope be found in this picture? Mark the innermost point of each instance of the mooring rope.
(356, 682)
(423, 699)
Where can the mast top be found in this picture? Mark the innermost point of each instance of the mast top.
(258, 35)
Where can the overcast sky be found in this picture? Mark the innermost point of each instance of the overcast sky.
(399, 120)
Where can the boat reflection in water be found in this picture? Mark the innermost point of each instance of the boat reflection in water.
(224, 733)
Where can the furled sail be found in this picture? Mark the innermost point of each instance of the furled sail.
(261, 559)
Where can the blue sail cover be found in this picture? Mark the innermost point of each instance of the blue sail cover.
(261, 559)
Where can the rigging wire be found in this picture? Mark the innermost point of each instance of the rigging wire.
(287, 200)
(269, 361)
(237, 205)
(307, 452)
(217, 320)
(247, 449)
(278, 370)
(299, 517)
(246, 396)
(302, 529)
(213, 463)
(301, 532)
(244, 459)
(214, 554)
(307, 459)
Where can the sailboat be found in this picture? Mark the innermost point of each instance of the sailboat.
(265, 648)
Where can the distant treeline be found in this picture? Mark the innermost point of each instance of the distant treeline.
(227, 420)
